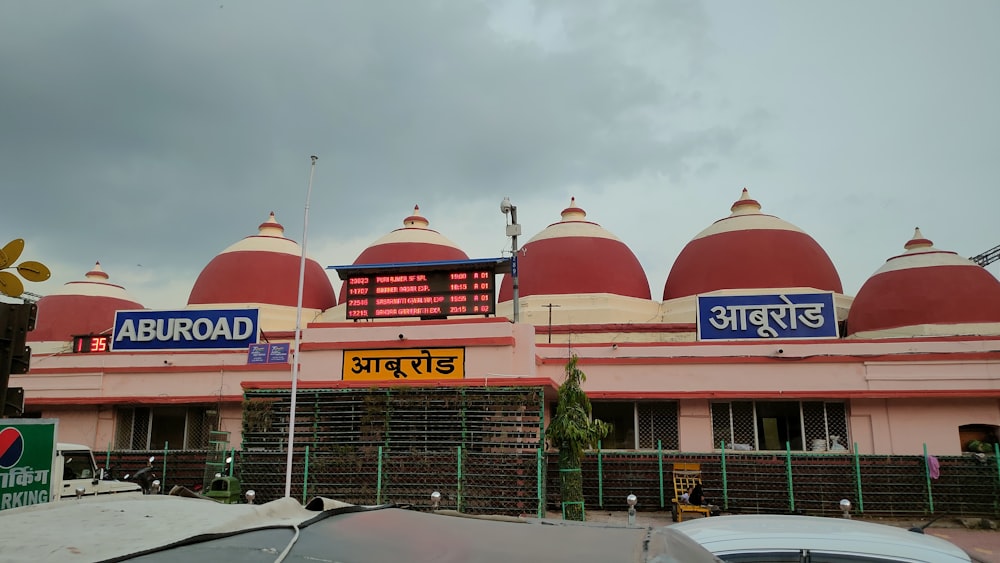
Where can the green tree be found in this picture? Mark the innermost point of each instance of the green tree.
(572, 430)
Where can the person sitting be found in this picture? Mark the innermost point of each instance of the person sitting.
(695, 495)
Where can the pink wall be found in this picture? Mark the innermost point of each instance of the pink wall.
(900, 393)
(695, 426)
(903, 426)
(76, 425)
(494, 347)
(231, 420)
(842, 368)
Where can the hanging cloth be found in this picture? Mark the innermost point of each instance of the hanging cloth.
(933, 467)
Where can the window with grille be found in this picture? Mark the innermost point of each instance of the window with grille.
(638, 425)
(156, 428)
(770, 425)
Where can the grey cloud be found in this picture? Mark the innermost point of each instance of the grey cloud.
(161, 132)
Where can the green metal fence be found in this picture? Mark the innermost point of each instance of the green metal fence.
(482, 450)
(527, 482)
(185, 468)
(794, 482)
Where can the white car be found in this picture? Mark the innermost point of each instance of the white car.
(812, 539)
(168, 528)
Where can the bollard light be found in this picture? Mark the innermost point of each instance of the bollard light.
(435, 500)
(631, 500)
(845, 507)
(155, 489)
(250, 496)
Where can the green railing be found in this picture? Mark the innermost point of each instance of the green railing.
(527, 482)
(186, 468)
(473, 482)
(795, 482)
(481, 449)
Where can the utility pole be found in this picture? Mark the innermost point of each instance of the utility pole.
(296, 357)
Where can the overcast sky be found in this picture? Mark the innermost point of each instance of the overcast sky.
(150, 136)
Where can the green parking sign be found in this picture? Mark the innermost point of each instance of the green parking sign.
(27, 448)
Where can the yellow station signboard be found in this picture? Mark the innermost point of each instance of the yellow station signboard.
(406, 364)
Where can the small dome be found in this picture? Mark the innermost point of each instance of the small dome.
(576, 256)
(263, 268)
(81, 307)
(414, 242)
(925, 286)
(750, 250)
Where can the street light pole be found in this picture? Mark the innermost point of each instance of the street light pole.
(513, 230)
(298, 333)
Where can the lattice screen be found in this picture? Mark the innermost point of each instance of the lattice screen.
(132, 430)
(657, 423)
(824, 426)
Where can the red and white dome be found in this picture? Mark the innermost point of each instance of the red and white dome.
(925, 286)
(576, 256)
(263, 268)
(81, 307)
(414, 242)
(750, 250)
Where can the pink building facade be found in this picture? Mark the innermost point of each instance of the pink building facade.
(912, 361)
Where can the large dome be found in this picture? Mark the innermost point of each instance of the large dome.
(81, 307)
(576, 256)
(750, 250)
(925, 286)
(413, 242)
(263, 268)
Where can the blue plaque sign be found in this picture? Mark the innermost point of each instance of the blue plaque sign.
(257, 354)
(277, 353)
(188, 329)
(755, 317)
(268, 353)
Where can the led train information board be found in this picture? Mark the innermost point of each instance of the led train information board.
(428, 294)
(421, 289)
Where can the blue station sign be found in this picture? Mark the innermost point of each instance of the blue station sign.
(189, 329)
(755, 317)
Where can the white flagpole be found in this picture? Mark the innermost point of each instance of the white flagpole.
(298, 334)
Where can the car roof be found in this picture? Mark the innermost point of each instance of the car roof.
(766, 532)
(174, 528)
(67, 446)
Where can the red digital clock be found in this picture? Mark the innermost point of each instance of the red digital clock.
(90, 343)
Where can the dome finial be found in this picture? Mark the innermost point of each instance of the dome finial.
(271, 227)
(745, 205)
(97, 272)
(416, 221)
(918, 241)
(573, 213)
